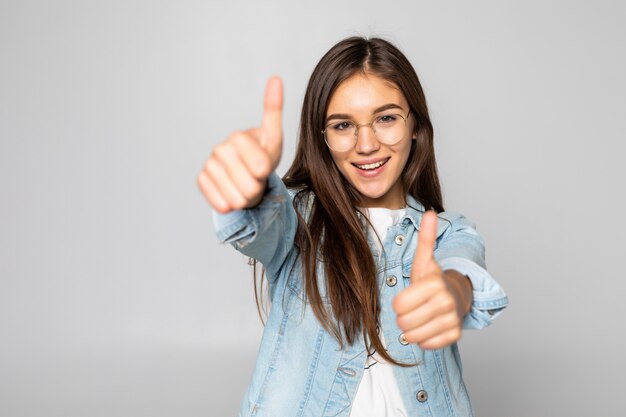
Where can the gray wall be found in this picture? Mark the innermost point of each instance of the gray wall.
(115, 296)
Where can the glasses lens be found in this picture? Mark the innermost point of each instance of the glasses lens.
(341, 136)
(389, 128)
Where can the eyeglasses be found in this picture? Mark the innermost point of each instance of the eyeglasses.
(342, 135)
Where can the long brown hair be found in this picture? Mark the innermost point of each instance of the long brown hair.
(332, 225)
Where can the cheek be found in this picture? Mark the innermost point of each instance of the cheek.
(404, 155)
(340, 161)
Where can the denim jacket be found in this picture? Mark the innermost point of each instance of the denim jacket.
(301, 369)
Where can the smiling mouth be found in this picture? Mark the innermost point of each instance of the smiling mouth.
(372, 166)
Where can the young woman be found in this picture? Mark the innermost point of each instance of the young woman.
(369, 287)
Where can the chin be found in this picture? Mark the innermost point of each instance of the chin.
(372, 195)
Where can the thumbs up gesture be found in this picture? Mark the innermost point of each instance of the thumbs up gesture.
(235, 175)
(430, 310)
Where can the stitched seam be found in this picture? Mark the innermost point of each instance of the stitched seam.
(443, 383)
(318, 347)
(270, 367)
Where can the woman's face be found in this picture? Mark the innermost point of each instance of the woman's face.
(372, 167)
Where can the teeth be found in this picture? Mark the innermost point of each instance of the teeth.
(372, 166)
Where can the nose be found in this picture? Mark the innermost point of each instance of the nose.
(366, 141)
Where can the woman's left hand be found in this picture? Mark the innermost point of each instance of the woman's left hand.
(431, 309)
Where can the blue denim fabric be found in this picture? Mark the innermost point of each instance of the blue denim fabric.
(301, 369)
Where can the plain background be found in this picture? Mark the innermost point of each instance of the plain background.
(116, 299)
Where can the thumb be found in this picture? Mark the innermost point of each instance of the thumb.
(271, 127)
(425, 245)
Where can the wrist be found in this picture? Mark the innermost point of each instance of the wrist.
(462, 289)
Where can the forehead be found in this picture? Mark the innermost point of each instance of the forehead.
(362, 93)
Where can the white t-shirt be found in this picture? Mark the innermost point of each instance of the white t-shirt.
(378, 394)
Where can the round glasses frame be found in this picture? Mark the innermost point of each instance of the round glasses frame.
(371, 126)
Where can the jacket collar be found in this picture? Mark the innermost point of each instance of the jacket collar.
(413, 215)
(414, 212)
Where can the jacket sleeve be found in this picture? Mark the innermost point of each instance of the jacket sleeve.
(461, 248)
(265, 232)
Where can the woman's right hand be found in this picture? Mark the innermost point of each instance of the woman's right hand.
(235, 175)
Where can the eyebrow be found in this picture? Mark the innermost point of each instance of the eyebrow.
(377, 110)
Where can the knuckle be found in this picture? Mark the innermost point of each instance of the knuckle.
(218, 205)
(446, 303)
(242, 201)
(202, 183)
(235, 136)
(221, 207)
(213, 155)
(401, 321)
(236, 206)
(232, 202)
(251, 191)
(254, 133)
(240, 138)
(263, 165)
(211, 165)
(207, 165)
(217, 202)
(437, 282)
(238, 201)
(453, 321)
(215, 151)
(455, 334)
(221, 150)
(398, 303)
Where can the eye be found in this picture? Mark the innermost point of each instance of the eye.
(387, 118)
(341, 126)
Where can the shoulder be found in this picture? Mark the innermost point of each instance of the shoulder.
(451, 221)
(302, 200)
(448, 221)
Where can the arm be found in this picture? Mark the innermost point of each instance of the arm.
(460, 287)
(238, 180)
(448, 282)
(460, 248)
(265, 232)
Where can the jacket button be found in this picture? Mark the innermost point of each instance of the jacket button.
(421, 396)
(399, 240)
(392, 280)
(402, 340)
